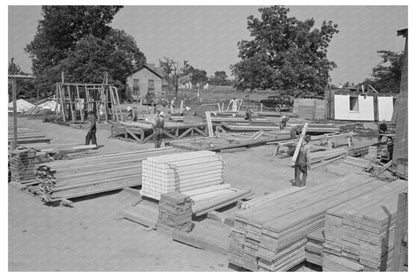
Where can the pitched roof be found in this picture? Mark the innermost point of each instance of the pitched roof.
(151, 68)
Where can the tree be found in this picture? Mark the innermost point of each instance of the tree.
(285, 53)
(171, 71)
(77, 39)
(219, 78)
(386, 75)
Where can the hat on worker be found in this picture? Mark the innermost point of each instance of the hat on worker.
(128, 108)
(162, 114)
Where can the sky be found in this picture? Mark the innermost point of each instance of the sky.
(207, 36)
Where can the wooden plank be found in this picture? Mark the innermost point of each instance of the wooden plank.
(299, 144)
(400, 250)
(209, 124)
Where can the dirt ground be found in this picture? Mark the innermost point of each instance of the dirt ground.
(91, 237)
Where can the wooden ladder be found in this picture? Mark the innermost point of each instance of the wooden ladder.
(115, 104)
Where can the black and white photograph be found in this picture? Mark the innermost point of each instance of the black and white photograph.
(206, 137)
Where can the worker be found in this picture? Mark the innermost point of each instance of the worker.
(234, 104)
(382, 130)
(92, 129)
(132, 113)
(303, 162)
(249, 115)
(158, 125)
(283, 121)
(294, 134)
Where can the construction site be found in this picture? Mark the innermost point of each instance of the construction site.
(221, 193)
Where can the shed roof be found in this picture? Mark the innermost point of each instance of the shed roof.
(151, 68)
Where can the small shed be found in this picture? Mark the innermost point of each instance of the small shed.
(142, 81)
(360, 105)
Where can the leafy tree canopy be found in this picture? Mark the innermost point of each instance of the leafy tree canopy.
(387, 74)
(78, 40)
(285, 53)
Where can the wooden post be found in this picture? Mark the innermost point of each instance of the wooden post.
(70, 103)
(209, 123)
(61, 96)
(81, 111)
(295, 156)
(14, 114)
(181, 107)
(400, 251)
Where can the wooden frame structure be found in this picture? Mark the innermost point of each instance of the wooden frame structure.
(143, 132)
(78, 98)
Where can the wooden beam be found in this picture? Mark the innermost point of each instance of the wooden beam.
(209, 123)
(299, 144)
(14, 145)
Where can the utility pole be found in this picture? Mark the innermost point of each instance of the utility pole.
(14, 96)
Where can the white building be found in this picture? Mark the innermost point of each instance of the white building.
(361, 106)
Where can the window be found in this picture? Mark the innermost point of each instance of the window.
(354, 104)
(151, 85)
(136, 87)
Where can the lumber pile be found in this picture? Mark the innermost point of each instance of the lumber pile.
(260, 200)
(27, 136)
(90, 175)
(320, 156)
(310, 108)
(402, 168)
(199, 175)
(272, 236)
(175, 212)
(22, 165)
(314, 247)
(359, 234)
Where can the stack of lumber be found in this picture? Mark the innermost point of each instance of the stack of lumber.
(402, 168)
(22, 165)
(175, 212)
(272, 236)
(349, 165)
(314, 247)
(310, 108)
(260, 200)
(199, 175)
(319, 156)
(359, 234)
(91, 175)
(181, 172)
(27, 136)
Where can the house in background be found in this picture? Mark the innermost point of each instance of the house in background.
(360, 105)
(148, 79)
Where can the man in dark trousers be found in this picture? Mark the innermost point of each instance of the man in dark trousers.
(249, 115)
(382, 130)
(158, 125)
(92, 130)
(303, 163)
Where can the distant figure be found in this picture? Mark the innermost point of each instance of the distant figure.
(234, 104)
(283, 122)
(382, 130)
(132, 113)
(249, 115)
(158, 125)
(92, 130)
(295, 131)
(303, 163)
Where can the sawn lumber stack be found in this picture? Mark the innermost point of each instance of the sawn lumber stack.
(199, 175)
(359, 234)
(272, 236)
(91, 175)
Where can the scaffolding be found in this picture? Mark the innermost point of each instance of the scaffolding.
(76, 99)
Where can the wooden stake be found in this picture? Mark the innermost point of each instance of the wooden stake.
(299, 144)
(209, 123)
